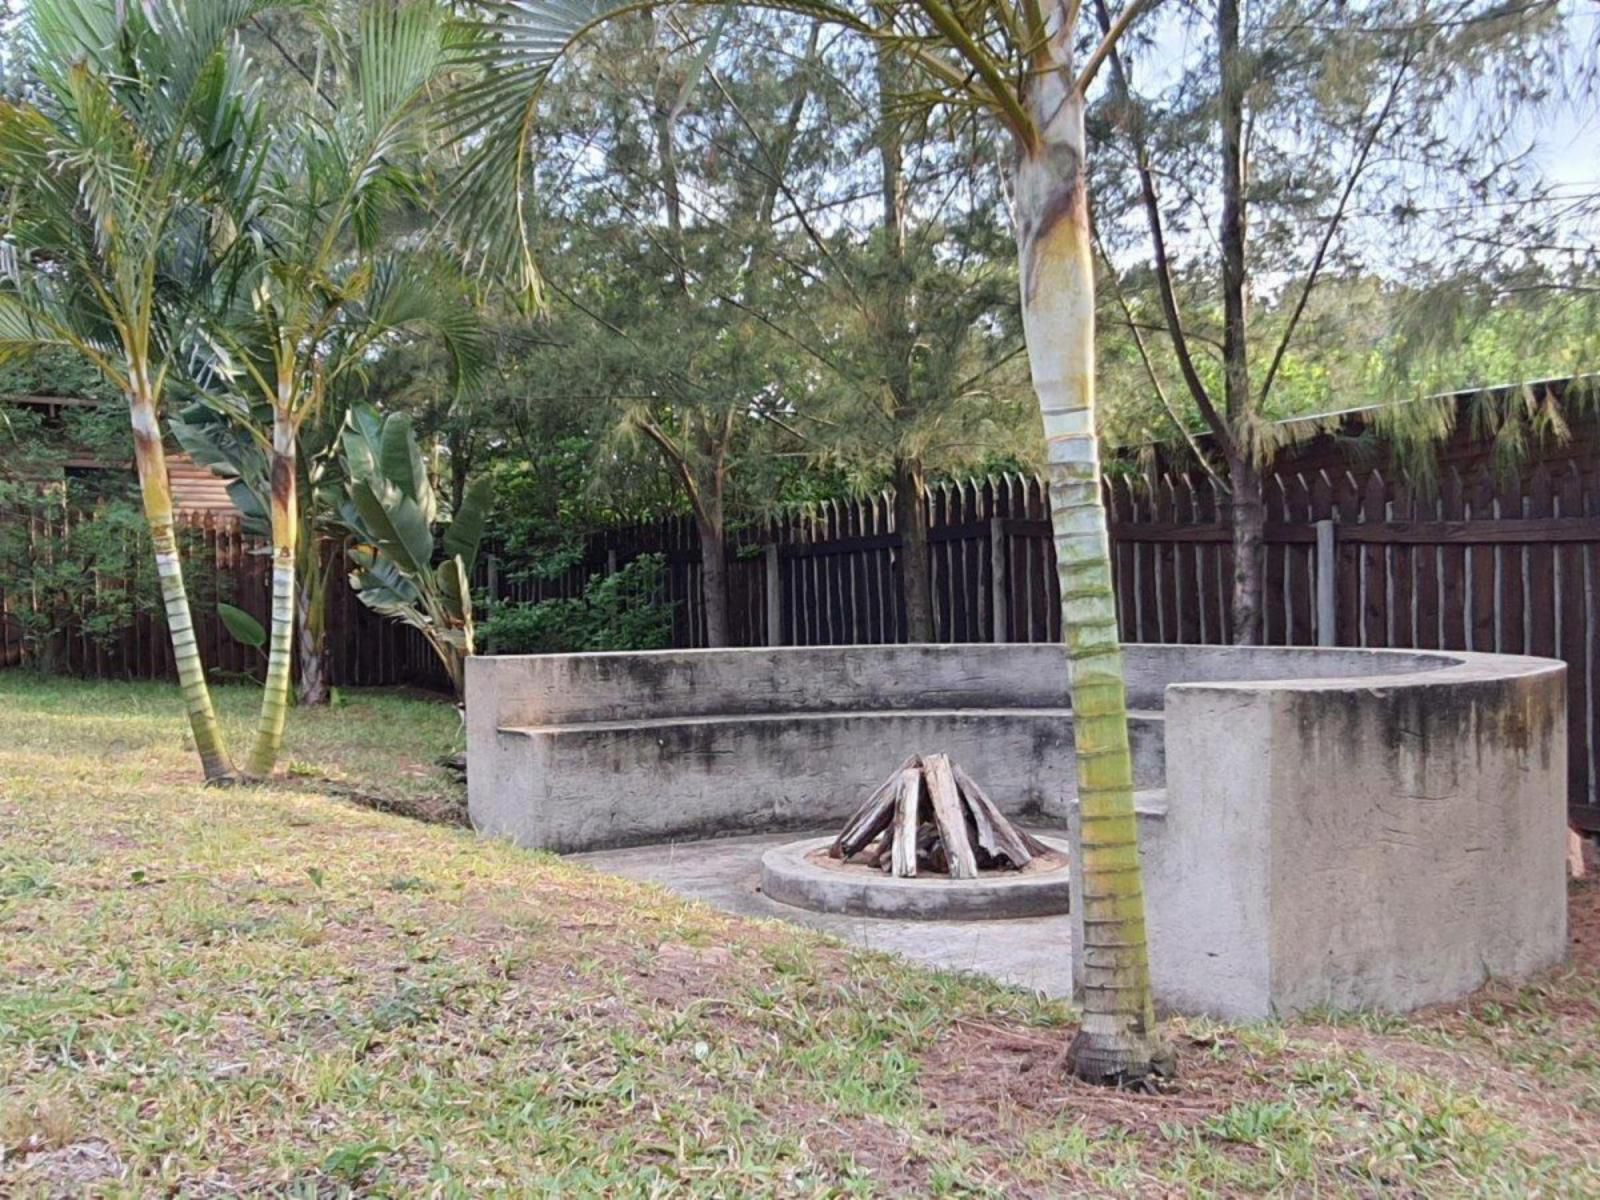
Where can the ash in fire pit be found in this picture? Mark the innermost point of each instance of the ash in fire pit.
(930, 816)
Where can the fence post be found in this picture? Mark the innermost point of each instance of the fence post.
(492, 565)
(774, 596)
(1327, 617)
(611, 561)
(999, 592)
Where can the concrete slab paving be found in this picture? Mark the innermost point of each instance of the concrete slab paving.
(725, 873)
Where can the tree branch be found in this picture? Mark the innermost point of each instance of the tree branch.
(1112, 32)
(1123, 91)
(1332, 228)
(1150, 370)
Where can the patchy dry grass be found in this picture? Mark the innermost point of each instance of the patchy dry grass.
(272, 991)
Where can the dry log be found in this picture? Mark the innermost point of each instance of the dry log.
(872, 818)
(996, 834)
(949, 817)
(908, 803)
(930, 815)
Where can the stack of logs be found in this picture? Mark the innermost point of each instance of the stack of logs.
(930, 815)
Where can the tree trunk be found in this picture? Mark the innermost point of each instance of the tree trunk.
(151, 459)
(1117, 1038)
(280, 655)
(910, 484)
(313, 623)
(1248, 517)
(1246, 479)
(714, 578)
(916, 572)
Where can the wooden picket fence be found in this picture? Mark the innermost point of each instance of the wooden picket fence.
(221, 563)
(1474, 561)
(1354, 557)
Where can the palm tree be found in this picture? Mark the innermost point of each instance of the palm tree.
(318, 292)
(139, 130)
(1012, 61)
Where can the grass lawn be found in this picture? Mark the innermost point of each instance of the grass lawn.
(276, 991)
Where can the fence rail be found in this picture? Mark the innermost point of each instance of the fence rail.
(221, 563)
(1480, 561)
(1352, 558)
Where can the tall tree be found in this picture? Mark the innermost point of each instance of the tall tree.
(921, 311)
(1284, 150)
(1017, 64)
(662, 239)
(140, 129)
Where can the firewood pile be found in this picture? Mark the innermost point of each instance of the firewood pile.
(930, 817)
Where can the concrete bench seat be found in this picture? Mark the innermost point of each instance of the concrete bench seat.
(613, 783)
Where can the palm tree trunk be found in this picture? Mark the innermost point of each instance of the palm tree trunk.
(280, 654)
(151, 459)
(1117, 1038)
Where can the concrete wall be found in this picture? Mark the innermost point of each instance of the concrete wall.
(1340, 828)
(1384, 843)
(588, 751)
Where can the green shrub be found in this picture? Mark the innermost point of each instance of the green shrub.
(615, 612)
(69, 573)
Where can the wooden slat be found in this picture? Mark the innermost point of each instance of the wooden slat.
(1453, 567)
(945, 801)
(1347, 507)
(1541, 568)
(1575, 635)
(1510, 638)
(908, 803)
(1481, 566)
(1189, 562)
(1402, 573)
(1162, 500)
(1374, 565)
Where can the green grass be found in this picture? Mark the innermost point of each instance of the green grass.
(275, 990)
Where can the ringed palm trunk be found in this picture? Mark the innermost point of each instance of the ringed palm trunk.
(1117, 1038)
(151, 459)
(280, 653)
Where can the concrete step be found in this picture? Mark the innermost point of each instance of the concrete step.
(1135, 716)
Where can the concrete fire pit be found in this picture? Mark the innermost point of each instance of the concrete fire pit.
(802, 874)
(1349, 829)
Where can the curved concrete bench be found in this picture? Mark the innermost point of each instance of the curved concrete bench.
(587, 751)
(1341, 828)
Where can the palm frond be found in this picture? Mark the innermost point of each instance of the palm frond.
(409, 294)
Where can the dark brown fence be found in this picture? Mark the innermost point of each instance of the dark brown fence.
(220, 563)
(1476, 561)
(1354, 557)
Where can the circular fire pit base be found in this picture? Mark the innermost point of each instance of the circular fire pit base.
(801, 873)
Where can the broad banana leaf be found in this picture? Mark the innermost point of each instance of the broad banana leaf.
(466, 531)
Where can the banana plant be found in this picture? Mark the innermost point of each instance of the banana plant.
(1013, 63)
(390, 508)
(120, 165)
(324, 290)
